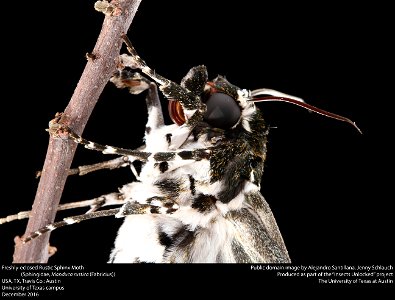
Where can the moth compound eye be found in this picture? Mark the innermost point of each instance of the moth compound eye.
(222, 111)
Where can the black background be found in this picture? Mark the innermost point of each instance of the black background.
(323, 180)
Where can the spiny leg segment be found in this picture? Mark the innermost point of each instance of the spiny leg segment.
(69, 221)
(129, 208)
(170, 89)
(111, 164)
(190, 100)
(59, 130)
(95, 204)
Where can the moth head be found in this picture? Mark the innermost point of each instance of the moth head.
(225, 105)
(228, 106)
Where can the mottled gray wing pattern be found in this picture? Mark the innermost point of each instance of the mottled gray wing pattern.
(257, 237)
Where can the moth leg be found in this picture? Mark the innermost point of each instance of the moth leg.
(190, 101)
(155, 205)
(112, 164)
(137, 84)
(129, 208)
(154, 108)
(62, 131)
(169, 88)
(58, 130)
(69, 221)
(95, 204)
(155, 120)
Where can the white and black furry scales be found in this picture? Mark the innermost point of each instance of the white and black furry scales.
(204, 179)
(220, 215)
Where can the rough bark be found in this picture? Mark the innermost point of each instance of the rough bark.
(99, 68)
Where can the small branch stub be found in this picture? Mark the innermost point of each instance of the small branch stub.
(109, 9)
(91, 56)
(56, 129)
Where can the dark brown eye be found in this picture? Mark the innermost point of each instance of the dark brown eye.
(222, 111)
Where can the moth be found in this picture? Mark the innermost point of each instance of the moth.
(197, 196)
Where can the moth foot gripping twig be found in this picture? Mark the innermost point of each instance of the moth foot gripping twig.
(56, 129)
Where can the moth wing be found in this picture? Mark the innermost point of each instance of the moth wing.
(257, 238)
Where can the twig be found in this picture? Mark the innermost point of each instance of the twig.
(61, 152)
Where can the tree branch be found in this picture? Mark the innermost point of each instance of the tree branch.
(100, 67)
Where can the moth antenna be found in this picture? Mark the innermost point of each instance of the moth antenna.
(307, 106)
